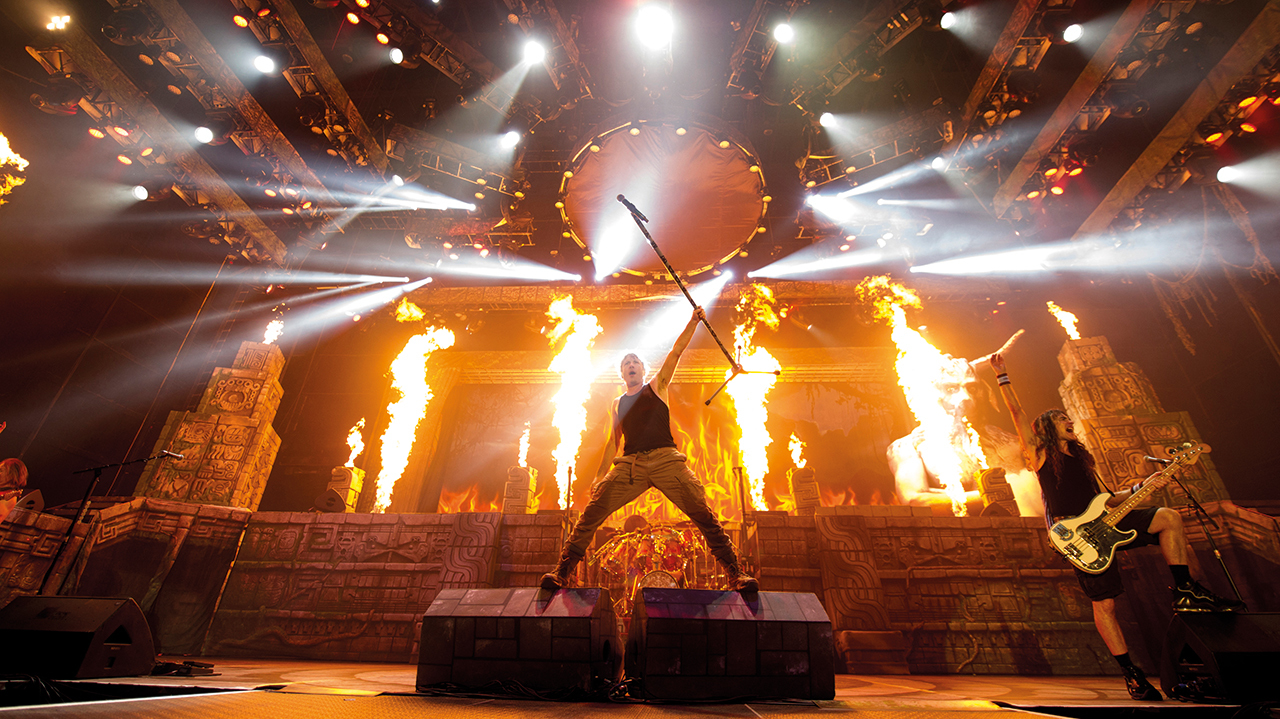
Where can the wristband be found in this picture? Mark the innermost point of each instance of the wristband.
(1002, 379)
(1134, 489)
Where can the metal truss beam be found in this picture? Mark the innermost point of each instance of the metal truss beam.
(1252, 46)
(881, 29)
(1073, 103)
(317, 79)
(565, 60)
(177, 21)
(186, 165)
(448, 158)
(754, 47)
(1006, 46)
(879, 146)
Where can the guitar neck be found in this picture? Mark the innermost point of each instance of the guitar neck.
(1149, 486)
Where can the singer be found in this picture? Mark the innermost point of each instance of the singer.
(649, 458)
(1068, 483)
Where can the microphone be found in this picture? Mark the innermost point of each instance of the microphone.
(626, 203)
(1157, 460)
(167, 453)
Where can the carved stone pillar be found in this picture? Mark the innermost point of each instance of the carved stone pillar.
(804, 490)
(517, 496)
(228, 443)
(347, 482)
(997, 495)
(1122, 420)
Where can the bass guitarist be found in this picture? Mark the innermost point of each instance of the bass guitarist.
(1068, 483)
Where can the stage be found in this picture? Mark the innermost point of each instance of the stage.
(311, 690)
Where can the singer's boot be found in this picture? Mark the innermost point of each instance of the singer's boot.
(740, 581)
(561, 577)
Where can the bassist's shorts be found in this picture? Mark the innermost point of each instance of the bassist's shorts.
(1108, 585)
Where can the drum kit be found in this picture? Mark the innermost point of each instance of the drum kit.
(659, 555)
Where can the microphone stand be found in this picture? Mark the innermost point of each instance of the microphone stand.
(1204, 517)
(737, 368)
(84, 509)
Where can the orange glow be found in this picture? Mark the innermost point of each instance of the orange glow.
(750, 391)
(287, 210)
(1213, 137)
(1051, 172)
(1056, 190)
(797, 452)
(408, 380)
(467, 500)
(1248, 127)
(124, 159)
(1033, 194)
(934, 385)
(573, 364)
(9, 158)
(275, 328)
(269, 192)
(1065, 318)
(362, 3)
(382, 38)
(353, 18)
(355, 441)
(407, 311)
(1075, 172)
(1247, 101)
(524, 447)
(96, 133)
(240, 20)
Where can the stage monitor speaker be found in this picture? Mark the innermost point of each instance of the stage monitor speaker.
(710, 645)
(75, 638)
(1222, 656)
(545, 641)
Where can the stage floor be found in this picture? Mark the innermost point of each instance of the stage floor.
(285, 689)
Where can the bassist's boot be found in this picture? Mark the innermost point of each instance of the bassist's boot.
(1139, 688)
(1194, 597)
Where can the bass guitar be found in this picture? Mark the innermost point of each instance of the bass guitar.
(1089, 541)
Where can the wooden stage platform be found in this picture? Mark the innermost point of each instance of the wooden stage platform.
(285, 689)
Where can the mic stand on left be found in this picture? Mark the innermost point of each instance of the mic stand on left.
(84, 509)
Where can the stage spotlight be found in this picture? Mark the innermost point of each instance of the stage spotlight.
(353, 18)
(397, 180)
(948, 20)
(1073, 32)
(216, 132)
(240, 20)
(382, 38)
(1228, 174)
(827, 120)
(510, 140)
(204, 135)
(140, 193)
(534, 52)
(60, 96)
(127, 26)
(58, 22)
(784, 33)
(654, 26)
(938, 164)
(396, 55)
(264, 64)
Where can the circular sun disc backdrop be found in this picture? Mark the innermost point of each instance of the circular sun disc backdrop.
(703, 201)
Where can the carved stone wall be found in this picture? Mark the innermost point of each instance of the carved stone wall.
(228, 443)
(530, 547)
(1122, 421)
(347, 586)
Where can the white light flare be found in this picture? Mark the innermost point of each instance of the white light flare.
(524, 447)
(573, 364)
(1073, 33)
(667, 325)
(796, 447)
(408, 380)
(509, 140)
(264, 64)
(784, 33)
(534, 52)
(654, 26)
(614, 246)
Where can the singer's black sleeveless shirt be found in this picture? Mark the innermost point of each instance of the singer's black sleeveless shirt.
(646, 421)
(1070, 494)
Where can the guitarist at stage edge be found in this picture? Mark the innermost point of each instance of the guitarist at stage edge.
(1068, 483)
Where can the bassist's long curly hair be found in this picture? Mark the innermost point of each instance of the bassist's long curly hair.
(1046, 439)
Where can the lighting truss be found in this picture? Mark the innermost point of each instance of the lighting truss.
(754, 47)
(448, 158)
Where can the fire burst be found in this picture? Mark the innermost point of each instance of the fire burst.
(749, 391)
(573, 364)
(409, 379)
(933, 383)
(9, 158)
(797, 451)
(355, 440)
(1065, 318)
(524, 446)
(275, 328)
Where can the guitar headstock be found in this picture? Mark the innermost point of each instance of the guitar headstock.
(1187, 453)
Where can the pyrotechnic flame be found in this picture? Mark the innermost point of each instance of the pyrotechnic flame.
(407, 311)
(934, 385)
(1065, 318)
(749, 391)
(409, 379)
(10, 158)
(524, 446)
(275, 328)
(355, 440)
(797, 449)
(573, 364)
